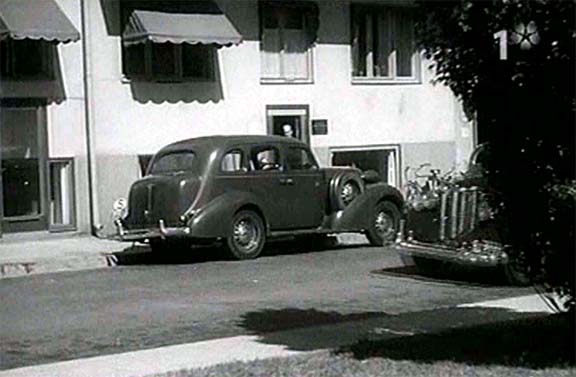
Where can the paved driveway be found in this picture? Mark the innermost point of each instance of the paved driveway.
(149, 303)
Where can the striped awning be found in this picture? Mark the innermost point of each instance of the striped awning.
(161, 27)
(35, 19)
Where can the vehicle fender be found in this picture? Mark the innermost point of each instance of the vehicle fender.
(213, 219)
(357, 215)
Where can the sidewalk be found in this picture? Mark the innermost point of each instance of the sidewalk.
(22, 257)
(55, 253)
(170, 360)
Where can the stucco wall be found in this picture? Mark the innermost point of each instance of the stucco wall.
(138, 118)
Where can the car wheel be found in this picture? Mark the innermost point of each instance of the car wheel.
(384, 224)
(344, 189)
(516, 270)
(247, 235)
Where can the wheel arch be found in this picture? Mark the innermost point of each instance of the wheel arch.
(249, 206)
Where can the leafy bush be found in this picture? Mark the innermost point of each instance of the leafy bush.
(524, 106)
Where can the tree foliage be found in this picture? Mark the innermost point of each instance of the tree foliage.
(524, 107)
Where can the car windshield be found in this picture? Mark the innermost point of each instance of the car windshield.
(174, 163)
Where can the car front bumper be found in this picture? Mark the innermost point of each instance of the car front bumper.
(480, 253)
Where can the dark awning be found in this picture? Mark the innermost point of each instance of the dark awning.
(160, 27)
(33, 19)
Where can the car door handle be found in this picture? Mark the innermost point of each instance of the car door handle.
(286, 181)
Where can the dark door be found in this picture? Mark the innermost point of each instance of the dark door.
(23, 162)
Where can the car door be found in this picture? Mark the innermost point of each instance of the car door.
(304, 187)
(268, 182)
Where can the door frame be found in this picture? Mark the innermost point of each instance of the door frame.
(288, 110)
(35, 222)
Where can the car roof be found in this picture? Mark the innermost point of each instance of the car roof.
(225, 141)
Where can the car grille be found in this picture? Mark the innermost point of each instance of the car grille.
(458, 211)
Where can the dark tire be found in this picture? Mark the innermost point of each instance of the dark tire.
(516, 270)
(247, 235)
(344, 189)
(384, 224)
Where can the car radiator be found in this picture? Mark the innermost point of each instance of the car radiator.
(458, 211)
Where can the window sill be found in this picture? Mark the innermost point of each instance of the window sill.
(384, 81)
(127, 80)
(286, 81)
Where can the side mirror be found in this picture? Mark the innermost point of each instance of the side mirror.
(371, 176)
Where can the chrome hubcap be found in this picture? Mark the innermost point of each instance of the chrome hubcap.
(348, 193)
(384, 225)
(246, 234)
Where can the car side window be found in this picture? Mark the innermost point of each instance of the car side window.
(300, 159)
(267, 158)
(233, 162)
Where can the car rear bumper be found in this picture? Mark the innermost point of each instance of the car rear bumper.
(162, 231)
(481, 253)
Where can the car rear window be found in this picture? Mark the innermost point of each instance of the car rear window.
(174, 163)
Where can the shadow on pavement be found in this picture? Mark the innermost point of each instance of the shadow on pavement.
(454, 275)
(143, 255)
(467, 335)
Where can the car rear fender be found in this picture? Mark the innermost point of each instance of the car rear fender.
(356, 216)
(213, 219)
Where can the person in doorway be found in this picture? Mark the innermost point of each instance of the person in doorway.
(287, 130)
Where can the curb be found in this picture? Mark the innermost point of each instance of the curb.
(75, 262)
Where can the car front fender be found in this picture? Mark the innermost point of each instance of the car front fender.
(356, 216)
(213, 219)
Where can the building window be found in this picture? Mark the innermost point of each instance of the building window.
(287, 33)
(383, 160)
(168, 62)
(383, 47)
(62, 194)
(288, 120)
(26, 59)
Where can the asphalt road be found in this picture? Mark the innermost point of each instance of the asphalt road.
(148, 303)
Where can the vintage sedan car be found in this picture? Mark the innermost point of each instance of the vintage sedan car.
(242, 190)
(451, 221)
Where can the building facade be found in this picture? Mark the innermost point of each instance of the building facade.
(343, 76)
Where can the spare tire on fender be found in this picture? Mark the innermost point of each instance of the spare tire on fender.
(344, 188)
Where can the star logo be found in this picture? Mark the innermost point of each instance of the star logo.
(525, 35)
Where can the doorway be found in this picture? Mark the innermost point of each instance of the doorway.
(383, 160)
(23, 162)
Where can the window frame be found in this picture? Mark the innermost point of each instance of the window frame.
(150, 76)
(371, 78)
(151, 171)
(243, 160)
(54, 227)
(283, 79)
(255, 149)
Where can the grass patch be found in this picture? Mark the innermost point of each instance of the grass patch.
(527, 347)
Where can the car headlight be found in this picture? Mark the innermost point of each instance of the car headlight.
(120, 208)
